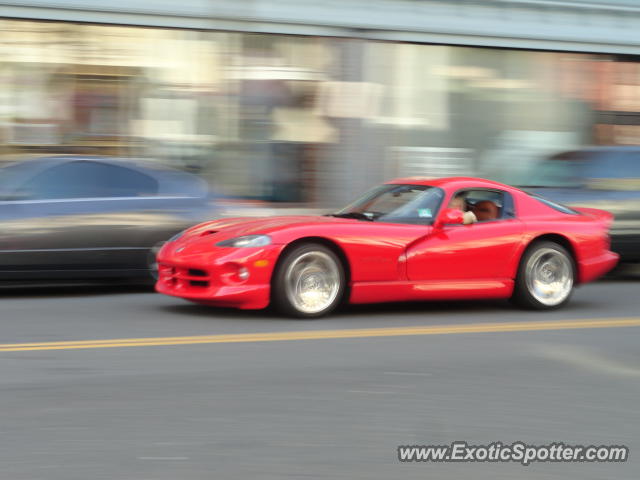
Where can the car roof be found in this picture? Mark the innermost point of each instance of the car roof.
(47, 162)
(601, 149)
(452, 182)
(171, 181)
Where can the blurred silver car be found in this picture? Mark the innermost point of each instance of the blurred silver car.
(605, 177)
(85, 218)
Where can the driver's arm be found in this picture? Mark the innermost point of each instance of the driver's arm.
(469, 217)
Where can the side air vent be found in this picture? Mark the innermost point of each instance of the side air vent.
(193, 272)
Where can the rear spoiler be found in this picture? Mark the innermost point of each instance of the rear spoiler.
(605, 217)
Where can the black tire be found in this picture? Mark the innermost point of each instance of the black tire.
(283, 296)
(524, 293)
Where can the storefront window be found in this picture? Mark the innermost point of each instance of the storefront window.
(474, 111)
(283, 118)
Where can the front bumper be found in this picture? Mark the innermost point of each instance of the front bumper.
(213, 277)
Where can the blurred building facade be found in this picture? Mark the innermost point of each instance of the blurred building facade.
(303, 102)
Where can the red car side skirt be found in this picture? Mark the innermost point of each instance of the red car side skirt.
(377, 292)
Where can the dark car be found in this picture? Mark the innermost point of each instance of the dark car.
(83, 218)
(605, 177)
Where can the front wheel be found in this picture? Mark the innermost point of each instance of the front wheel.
(308, 282)
(545, 277)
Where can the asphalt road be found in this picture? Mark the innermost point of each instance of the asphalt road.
(321, 408)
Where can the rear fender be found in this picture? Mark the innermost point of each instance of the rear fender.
(606, 218)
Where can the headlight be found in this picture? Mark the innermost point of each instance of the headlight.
(246, 241)
(176, 237)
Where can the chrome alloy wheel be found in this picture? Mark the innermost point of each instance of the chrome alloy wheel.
(549, 276)
(312, 282)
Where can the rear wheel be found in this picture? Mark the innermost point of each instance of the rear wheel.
(308, 282)
(546, 276)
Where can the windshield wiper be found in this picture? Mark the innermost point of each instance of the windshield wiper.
(356, 215)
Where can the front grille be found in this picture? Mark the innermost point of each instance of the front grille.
(194, 272)
(183, 278)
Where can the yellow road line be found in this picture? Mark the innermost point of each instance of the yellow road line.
(327, 334)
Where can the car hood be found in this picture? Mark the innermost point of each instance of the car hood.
(235, 227)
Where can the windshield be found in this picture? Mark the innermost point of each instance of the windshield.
(396, 204)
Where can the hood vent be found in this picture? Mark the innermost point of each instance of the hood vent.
(208, 232)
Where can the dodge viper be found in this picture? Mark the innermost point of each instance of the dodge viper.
(408, 239)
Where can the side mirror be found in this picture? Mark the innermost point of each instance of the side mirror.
(450, 216)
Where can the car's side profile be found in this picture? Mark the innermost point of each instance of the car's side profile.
(80, 218)
(401, 241)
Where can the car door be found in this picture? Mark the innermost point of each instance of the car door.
(79, 215)
(466, 253)
(47, 228)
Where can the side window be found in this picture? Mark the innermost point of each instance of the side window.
(614, 171)
(488, 205)
(125, 182)
(614, 165)
(87, 179)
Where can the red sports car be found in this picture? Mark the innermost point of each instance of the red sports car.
(409, 239)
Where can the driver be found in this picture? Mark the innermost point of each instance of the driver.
(459, 203)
